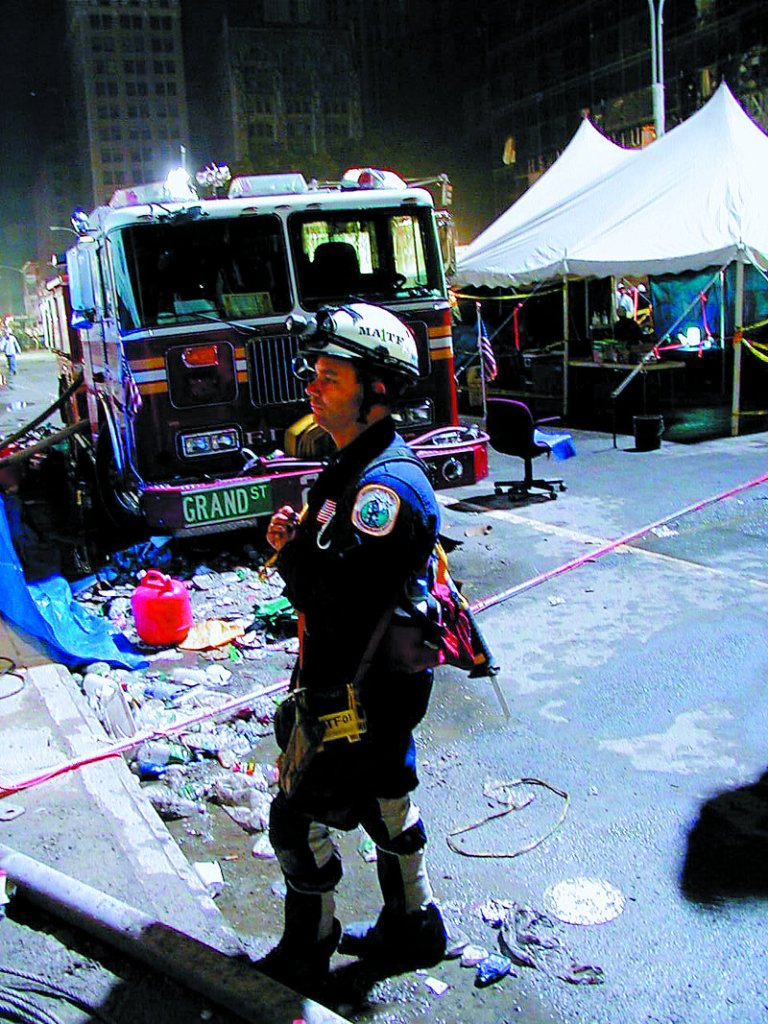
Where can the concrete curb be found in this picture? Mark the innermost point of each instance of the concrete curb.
(108, 842)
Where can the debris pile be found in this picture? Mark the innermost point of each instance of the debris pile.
(194, 757)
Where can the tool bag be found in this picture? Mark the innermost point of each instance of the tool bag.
(446, 633)
(301, 740)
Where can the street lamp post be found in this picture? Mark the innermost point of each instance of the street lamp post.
(657, 64)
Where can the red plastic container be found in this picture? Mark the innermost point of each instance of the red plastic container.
(161, 609)
(10, 476)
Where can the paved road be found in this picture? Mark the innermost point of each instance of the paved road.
(31, 391)
(637, 684)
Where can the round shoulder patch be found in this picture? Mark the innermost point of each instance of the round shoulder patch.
(375, 511)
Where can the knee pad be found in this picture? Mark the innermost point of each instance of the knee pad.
(297, 854)
(409, 841)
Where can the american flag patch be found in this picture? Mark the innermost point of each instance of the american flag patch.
(327, 511)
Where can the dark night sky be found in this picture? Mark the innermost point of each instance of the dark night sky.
(31, 45)
(30, 110)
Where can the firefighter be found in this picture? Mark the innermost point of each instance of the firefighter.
(369, 528)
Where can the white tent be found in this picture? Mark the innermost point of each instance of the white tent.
(694, 198)
(587, 157)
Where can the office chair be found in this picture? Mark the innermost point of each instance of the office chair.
(335, 269)
(512, 430)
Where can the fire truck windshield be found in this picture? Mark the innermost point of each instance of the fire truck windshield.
(220, 268)
(168, 273)
(373, 254)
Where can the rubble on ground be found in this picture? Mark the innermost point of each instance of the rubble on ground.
(242, 617)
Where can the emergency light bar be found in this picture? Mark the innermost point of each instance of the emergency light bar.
(177, 187)
(267, 185)
(372, 177)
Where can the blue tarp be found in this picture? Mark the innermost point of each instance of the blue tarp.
(561, 445)
(46, 610)
(688, 300)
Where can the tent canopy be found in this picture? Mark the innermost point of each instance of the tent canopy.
(588, 156)
(690, 200)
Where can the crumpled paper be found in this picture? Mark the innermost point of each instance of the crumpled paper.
(211, 633)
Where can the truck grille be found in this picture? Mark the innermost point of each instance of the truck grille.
(272, 380)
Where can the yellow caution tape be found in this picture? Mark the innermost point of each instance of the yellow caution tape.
(753, 348)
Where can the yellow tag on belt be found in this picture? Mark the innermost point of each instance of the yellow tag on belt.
(348, 723)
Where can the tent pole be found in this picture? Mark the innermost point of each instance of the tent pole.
(738, 315)
(722, 332)
(587, 326)
(565, 347)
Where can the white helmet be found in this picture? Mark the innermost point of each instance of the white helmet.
(363, 332)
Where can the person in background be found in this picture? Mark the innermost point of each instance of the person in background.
(363, 543)
(624, 301)
(626, 329)
(10, 346)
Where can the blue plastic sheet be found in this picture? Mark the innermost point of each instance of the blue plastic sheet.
(46, 610)
(678, 304)
(561, 445)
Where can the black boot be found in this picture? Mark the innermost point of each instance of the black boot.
(301, 966)
(300, 960)
(404, 940)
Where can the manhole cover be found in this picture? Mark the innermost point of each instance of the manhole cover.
(584, 901)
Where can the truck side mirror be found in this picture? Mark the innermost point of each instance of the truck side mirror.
(82, 292)
(448, 237)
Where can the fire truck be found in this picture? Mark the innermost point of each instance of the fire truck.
(185, 315)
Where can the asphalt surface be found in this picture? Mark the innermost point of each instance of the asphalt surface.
(634, 683)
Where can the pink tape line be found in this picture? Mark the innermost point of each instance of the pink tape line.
(489, 602)
(182, 725)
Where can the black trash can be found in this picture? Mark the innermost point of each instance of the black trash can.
(648, 431)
